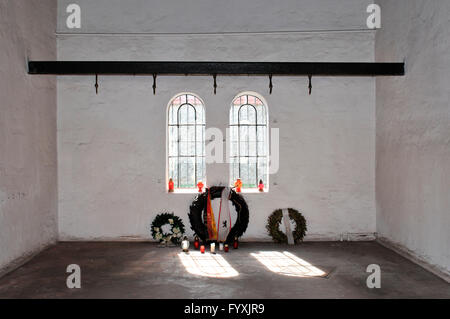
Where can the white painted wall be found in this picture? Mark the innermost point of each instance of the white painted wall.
(413, 130)
(111, 146)
(28, 191)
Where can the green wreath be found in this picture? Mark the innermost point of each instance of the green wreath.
(274, 221)
(176, 229)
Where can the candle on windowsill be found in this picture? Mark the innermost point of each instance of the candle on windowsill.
(238, 185)
(261, 186)
(200, 187)
(202, 249)
(171, 185)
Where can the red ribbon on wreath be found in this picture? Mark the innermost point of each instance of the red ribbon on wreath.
(210, 221)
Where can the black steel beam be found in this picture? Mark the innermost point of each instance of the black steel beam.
(219, 68)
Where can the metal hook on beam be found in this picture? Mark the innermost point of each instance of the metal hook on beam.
(215, 83)
(270, 84)
(310, 84)
(96, 84)
(154, 84)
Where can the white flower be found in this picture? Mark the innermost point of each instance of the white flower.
(158, 236)
(156, 229)
(176, 230)
(170, 221)
(179, 235)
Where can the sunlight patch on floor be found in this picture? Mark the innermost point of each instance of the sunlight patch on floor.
(287, 264)
(207, 265)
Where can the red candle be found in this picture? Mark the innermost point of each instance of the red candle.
(261, 186)
(202, 249)
(235, 243)
(196, 243)
(238, 185)
(200, 186)
(171, 185)
(225, 248)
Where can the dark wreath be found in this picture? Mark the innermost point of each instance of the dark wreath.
(197, 214)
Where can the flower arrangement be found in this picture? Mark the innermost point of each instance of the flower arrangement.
(174, 235)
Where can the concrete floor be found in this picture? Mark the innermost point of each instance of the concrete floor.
(142, 270)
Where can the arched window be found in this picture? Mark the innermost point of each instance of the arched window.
(249, 140)
(186, 141)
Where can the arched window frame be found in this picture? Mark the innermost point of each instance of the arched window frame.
(199, 154)
(260, 174)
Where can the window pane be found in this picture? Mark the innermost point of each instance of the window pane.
(251, 181)
(261, 133)
(183, 147)
(172, 114)
(261, 138)
(191, 99)
(243, 148)
(261, 110)
(247, 115)
(187, 172)
(200, 119)
(187, 140)
(182, 174)
(234, 166)
(243, 133)
(200, 140)
(251, 99)
(262, 169)
(186, 114)
(234, 149)
(173, 139)
(261, 149)
(252, 133)
(200, 169)
(234, 133)
(243, 170)
(182, 114)
(173, 169)
(252, 149)
(200, 149)
(191, 117)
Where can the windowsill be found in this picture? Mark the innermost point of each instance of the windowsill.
(252, 191)
(185, 191)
